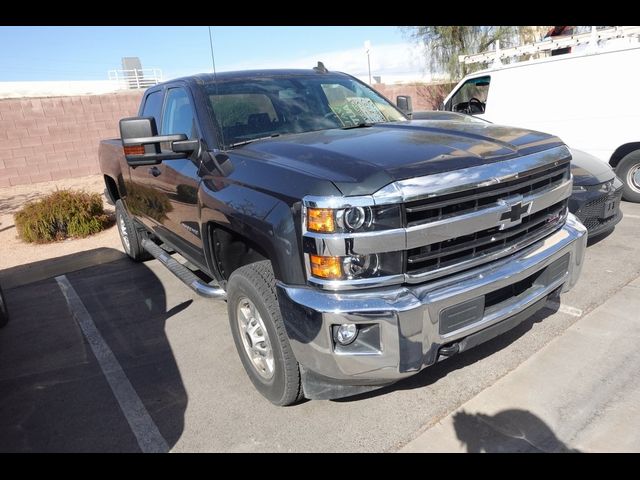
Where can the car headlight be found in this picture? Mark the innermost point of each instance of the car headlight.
(353, 219)
(579, 188)
(353, 267)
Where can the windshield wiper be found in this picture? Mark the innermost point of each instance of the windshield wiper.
(360, 125)
(245, 142)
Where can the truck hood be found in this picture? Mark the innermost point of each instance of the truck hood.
(360, 161)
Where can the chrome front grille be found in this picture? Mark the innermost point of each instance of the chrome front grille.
(484, 243)
(461, 230)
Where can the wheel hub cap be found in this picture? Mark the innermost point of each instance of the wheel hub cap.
(634, 173)
(124, 235)
(255, 338)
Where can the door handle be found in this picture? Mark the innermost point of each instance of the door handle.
(155, 171)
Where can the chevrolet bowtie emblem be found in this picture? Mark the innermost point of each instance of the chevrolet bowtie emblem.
(513, 216)
(516, 212)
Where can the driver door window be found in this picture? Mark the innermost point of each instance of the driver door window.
(471, 97)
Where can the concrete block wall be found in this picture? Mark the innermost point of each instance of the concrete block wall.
(44, 139)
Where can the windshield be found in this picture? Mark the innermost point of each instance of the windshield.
(258, 107)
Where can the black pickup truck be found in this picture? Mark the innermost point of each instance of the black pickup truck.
(354, 246)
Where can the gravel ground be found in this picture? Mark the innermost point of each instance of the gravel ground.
(16, 252)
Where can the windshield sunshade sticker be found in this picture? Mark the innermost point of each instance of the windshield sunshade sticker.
(357, 110)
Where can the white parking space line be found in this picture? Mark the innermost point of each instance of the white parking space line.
(573, 311)
(628, 215)
(145, 430)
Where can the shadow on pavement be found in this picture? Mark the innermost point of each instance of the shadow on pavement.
(432, 374)
(53, 394)
(510, 430)
(43, 269)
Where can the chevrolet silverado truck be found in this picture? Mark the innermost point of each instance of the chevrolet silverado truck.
(354, 247)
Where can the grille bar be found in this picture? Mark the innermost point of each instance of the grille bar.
(465, 250)
(442, 207)
(488, 237)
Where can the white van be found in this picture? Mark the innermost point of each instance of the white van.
(588, 98)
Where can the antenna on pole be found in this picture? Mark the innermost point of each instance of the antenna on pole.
(215, 81)
(213, 58)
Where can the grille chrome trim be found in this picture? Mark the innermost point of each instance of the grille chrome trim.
(460, 225)
(419, 276)
(459, 180)
(479, 199)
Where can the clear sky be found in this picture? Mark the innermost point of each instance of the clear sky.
(87, 53)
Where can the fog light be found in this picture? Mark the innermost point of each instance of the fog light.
(346, 333)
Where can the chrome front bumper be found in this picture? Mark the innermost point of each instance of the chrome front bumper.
(403, 331)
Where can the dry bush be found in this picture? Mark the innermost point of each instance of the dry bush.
(60, 215)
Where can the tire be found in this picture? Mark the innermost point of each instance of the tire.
(251, 289)
(628, 170)
(130, 235)
(4, 315)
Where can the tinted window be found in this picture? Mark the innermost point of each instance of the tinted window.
(244, 109)
(153, 106)
(257, 107)
(178, 114)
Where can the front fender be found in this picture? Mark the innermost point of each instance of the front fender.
(262, 219)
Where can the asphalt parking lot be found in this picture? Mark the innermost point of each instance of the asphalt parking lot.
(170, 355)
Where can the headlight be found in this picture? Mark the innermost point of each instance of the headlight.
(353, 219)
(353, 267)
(579, 188)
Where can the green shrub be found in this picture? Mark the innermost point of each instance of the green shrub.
(62, 214)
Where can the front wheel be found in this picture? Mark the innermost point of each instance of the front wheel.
(628, 170)
(260, 336)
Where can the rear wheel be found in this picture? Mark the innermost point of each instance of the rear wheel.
(628, 170)
(130, 235)
(259, 334)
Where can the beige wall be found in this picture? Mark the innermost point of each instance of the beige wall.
(45, 139)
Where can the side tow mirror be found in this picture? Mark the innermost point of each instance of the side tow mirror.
(404, 104)
(141, 142)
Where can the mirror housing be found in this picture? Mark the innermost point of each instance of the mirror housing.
(141, 142)
(404, 104)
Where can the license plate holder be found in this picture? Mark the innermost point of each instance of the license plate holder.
(609, 209)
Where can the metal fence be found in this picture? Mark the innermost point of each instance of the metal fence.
(136, 78)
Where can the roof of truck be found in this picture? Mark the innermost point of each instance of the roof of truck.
(202, 78)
